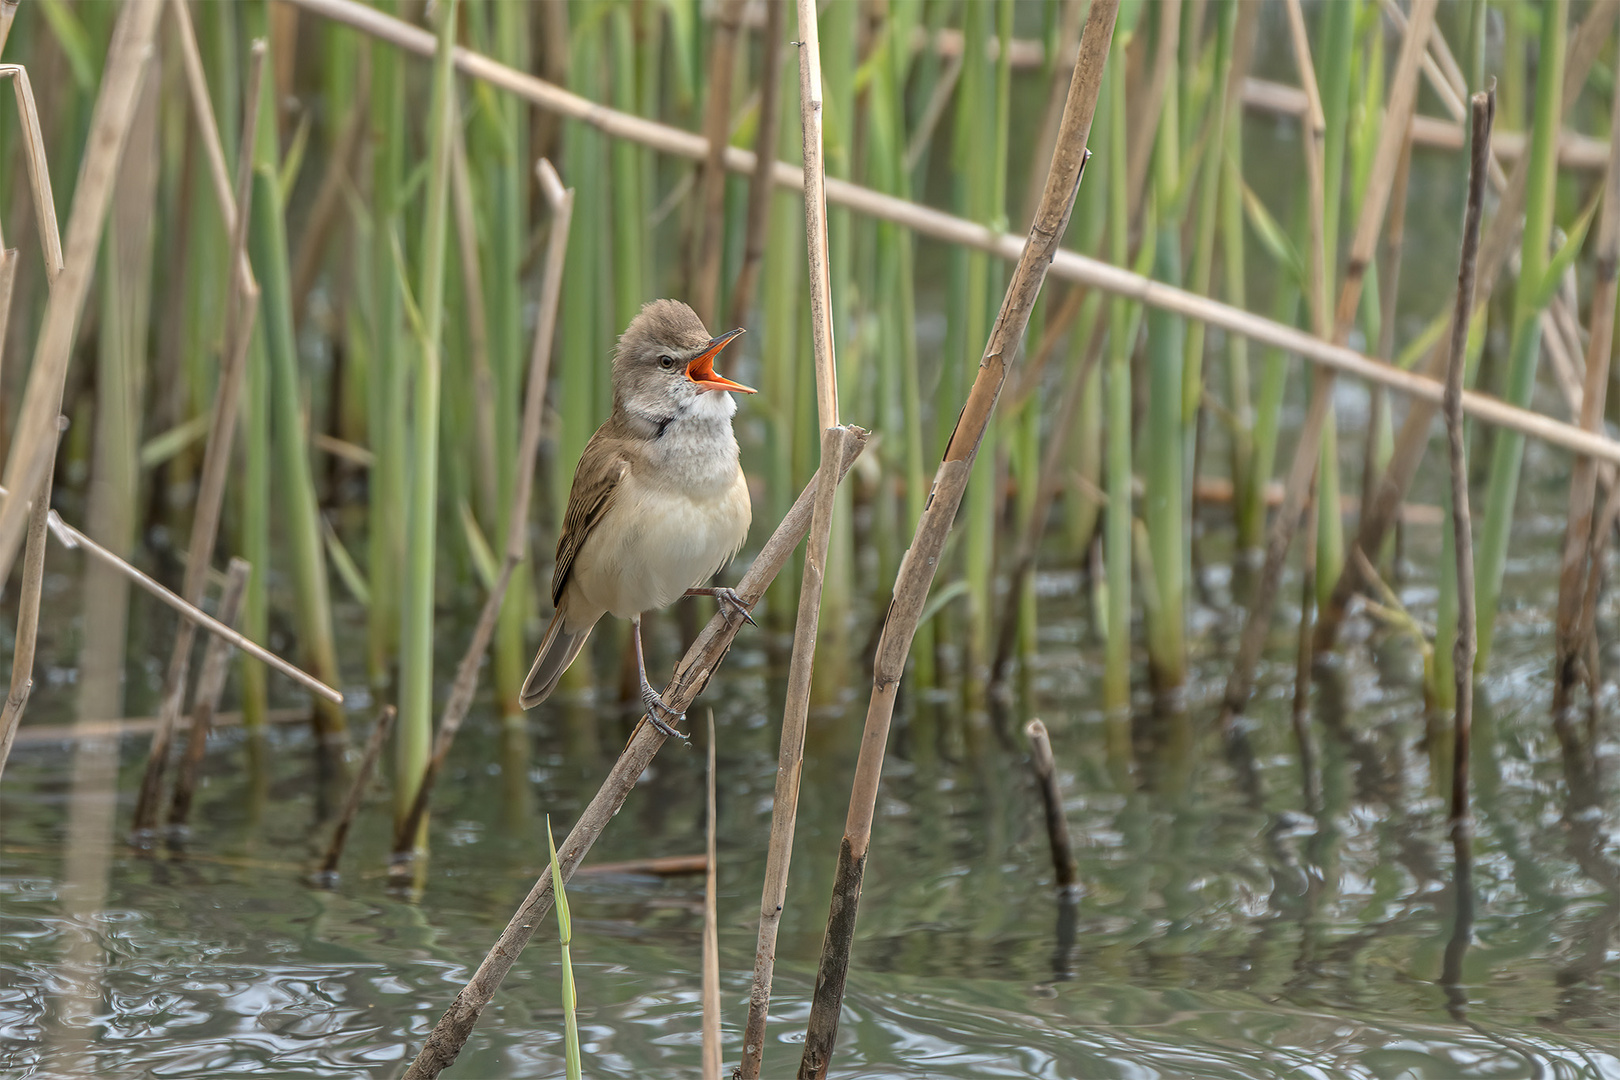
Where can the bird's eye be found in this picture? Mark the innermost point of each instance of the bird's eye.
(666, 362)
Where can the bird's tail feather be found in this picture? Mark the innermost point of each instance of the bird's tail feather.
(557, 650)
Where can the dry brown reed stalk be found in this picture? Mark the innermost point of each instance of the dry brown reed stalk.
(950, 229)
(242, 309)
(760, 187)
(8, 12)
(517, 531)
(39, 173)
(834, 450)
(1147, 110)
(1586, 42)
(210, 688)
(711, 221)
(1577, 152)
(33, 584)
(450, 1034)
(327, 875)
(1389, 281)
(476, 313)
(1579, 542)
(1392, 137)
(921, 561)
(34, 443)
(72, 538)
(1065, 872)
(1483, 111)
(657, 866)
(1315, 124)
(711, 934)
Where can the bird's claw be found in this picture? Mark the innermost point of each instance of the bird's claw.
(732, 597)
(655, 705)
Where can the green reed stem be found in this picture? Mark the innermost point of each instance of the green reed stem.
(1117, 534)
(1528, 299)
(295, 482)
(565, 937)
(416, 638)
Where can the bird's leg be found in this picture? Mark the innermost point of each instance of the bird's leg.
(726, 596)
(649, 697)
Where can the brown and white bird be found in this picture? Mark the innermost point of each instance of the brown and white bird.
(659, 503)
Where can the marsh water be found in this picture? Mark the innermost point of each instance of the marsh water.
(1228, 927)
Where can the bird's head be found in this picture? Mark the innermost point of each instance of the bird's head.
(665, 362)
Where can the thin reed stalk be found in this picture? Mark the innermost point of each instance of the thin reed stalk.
(327, 875)
(34, 443)
(1065, 872)
(73, 539)
(1117, 524)
(1066, 264)
(711, 222)
(33, 585)
(691, 675)
(921, 562)
(457, 705)
(1483, 108)
(835, 449)
(1403, 97)
(711, 928)
(210, 688)
(1579, 542)
(241, 314)
(760, 186)
(1529, 297)
(416, 614)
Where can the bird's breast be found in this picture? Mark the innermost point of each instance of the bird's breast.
(660, 538)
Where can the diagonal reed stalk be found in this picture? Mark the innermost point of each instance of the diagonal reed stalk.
(34, 443)
(327, 875)
(517, 530)
(921, 561)
(834, 450)
(692, 674)
(1067, 265)
(1483, 110)
(241, 312)
(1402, 101)
(210, 688)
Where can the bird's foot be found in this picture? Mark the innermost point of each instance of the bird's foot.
(737, 604)
(655, 706)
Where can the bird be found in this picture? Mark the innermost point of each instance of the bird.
(658, 504)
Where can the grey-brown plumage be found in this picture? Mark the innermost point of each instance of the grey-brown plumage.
(658, 503)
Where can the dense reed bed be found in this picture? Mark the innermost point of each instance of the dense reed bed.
(339, 284)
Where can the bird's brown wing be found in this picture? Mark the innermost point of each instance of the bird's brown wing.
(602, 468)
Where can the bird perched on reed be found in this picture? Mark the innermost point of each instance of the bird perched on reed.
(659, 503)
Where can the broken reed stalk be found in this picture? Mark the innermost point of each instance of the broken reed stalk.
(807, 620)
(1585, 43)
(711, 934)
(241, 312)
(328, 873)
(691, 675)
(517, 530)
(950, 229)
(210, 688)
(760, 186)
(33, 586)
(39, 173)
(1402, 102)
(1579, 541)
(1483, 111)
(711, 208)
(1065, 871)
(921, 561)
(34, 443)
(73, 539)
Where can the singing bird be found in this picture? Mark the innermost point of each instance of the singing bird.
(659, 503)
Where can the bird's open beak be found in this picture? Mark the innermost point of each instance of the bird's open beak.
(701, 369)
